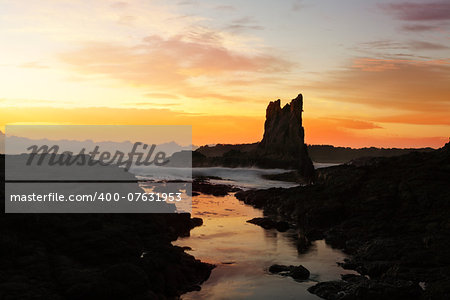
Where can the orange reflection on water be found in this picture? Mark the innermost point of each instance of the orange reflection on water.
(243, 252)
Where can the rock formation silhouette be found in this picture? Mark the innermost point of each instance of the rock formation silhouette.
(282, 146)
(284, 136)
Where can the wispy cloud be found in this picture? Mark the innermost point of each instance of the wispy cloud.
(438, 118)
(353, 124)
(422, 45)
(414, 11)
(172, 64)
(187, 2)
(243, 24)
(402, 85)
(388, 45)
(320, 131)
(226, 8)
(383, 44)
(419, 27)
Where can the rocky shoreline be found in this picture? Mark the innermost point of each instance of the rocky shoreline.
(391, 214)
(96, 256)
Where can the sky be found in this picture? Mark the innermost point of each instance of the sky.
(372, 73)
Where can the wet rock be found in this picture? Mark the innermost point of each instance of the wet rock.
(265, 223)
(278, 268)
(205, 187)
(299, 272)
(282, 226)
(292, 176)
(360, 287)
(296, 272)
(195, 222)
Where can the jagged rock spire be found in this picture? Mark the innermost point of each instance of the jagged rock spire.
(284, 136)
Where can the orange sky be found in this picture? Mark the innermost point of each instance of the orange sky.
(372, 74)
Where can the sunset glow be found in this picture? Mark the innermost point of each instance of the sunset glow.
(372, 73)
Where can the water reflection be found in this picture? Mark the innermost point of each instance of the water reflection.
(243, 252)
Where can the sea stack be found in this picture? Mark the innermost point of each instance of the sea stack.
(284, 136)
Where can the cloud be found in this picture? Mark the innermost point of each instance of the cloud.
(413, 11)
(383, 44)
(413, 45)
(352, 124)
(422, 45)
(225, 8)
(187, 2)
(172, 64)
(419, 27)
(388, 84)
(243, 24)
(437, 118)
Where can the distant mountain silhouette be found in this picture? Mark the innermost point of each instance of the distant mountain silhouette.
(317, 153)
(332, 154)
(16, 145)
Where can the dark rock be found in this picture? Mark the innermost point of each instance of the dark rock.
(331, 290)
(299, 273)
(333, 154)
(284, 136)
(360, 287)
(203, 186)
(278, 268)
(196, 222)
(265, 223)
(296, 272)
(292, 176)
(282, 226)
